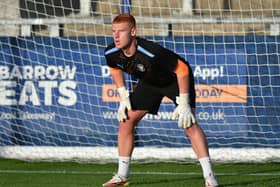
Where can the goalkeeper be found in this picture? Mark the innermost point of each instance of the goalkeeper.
(161, 73)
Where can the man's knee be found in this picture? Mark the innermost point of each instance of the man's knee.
(195, 128)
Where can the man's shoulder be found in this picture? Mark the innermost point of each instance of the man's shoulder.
(147, 43)
(110, 49)
(148, 46)
(155, 50)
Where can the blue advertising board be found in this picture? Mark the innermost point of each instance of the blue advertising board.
(58, 92)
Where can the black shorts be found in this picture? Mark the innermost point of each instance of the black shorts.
(149, 97)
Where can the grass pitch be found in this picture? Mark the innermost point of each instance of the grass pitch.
(15, 173)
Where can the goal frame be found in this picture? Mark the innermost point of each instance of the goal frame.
(146, 154)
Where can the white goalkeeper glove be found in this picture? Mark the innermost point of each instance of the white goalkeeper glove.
(125, 104)
(183, 112)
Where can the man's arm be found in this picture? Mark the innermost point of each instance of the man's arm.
(125, 104)
(183, 111)
(182, 73)
(117, 76)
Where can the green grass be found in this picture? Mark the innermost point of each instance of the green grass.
(15, 173)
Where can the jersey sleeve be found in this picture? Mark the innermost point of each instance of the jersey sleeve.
(110, 61)
(167, 60)
(111, 56)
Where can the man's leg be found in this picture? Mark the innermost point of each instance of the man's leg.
(200, 147)
(198, 140)
(125, 147)
(126, 140)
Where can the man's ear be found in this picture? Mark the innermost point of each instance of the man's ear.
(133, 31)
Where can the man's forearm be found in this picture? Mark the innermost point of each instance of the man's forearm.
(117, 76)
(183, 83)
(182, 73)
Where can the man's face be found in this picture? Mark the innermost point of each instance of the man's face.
(122, 34)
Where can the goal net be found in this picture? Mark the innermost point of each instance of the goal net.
(58, 101)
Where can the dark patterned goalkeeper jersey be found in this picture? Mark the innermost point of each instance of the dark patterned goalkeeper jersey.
(151, 62)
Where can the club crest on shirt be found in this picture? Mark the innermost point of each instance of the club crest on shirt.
(141, 68)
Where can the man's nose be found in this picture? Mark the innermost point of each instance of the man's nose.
(116, 35)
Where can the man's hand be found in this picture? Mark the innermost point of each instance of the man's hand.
(183, 112)
(125, 104)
